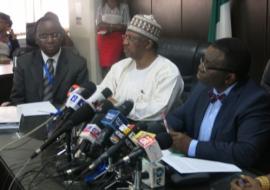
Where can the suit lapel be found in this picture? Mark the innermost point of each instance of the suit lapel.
(61, 71)
(225, 110)
(37, 72)
(203, 102)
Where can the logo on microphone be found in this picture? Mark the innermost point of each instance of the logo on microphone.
(91, 132)
(74, 98)
(159, 176)
(145, 141)
(81, 103)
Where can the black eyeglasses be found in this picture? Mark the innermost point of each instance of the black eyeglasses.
(45, 36)
(205, 68)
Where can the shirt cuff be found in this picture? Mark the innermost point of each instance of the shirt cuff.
(192, 148)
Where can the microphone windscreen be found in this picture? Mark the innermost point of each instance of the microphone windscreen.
(104, 106)
(106, 92)
(141, 126)
(85, 93)
(126, 107)
(155, 127)
(90, 86)
(164, 140)
(85, 113)
(97, 119)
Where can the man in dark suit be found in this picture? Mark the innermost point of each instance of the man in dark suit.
(227, 117)
(265, 81)
(31, 71)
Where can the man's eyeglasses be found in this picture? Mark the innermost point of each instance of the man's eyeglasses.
(205, 68)
(130, 38)
(45, 36)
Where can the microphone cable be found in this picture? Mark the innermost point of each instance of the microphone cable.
(27, 134)
(18, 173)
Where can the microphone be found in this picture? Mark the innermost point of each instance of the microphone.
(150, 146)
(107, 154)
(127, 131)
(79, 96)
(98, 96)
(72, 89)
(84, 113)
(112, 121)
(99, 160)
(92, 130)
(112, 149)
(76, 98)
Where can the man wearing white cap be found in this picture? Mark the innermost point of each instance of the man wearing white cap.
(150, 80)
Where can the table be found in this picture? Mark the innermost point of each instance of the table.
(14, 157)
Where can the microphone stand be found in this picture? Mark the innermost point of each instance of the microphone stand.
(137, 177)
(119, 179)
(68, 143)
(70, 136)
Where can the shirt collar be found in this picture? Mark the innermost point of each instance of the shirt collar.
(226, 91)
(55, 57)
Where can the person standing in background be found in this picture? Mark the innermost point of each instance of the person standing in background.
(112, 19)
(8, 40)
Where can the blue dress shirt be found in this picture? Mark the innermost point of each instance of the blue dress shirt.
(208, 122)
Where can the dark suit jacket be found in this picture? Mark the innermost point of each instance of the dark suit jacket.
(28, 76)
(265, 82)
(241, 131)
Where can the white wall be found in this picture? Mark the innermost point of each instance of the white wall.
(82, 32)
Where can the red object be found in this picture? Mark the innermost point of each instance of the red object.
(110, 48)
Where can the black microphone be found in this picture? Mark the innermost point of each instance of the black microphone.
(90, 133)
(163, 139)
(76, 99)
(99, 96)
(105, 155)
(84, 113)
(113, 120)
(107, 131)
(155, 127)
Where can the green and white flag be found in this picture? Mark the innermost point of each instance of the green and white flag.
(220, 23)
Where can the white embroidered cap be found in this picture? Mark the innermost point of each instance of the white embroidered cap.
(145, 25)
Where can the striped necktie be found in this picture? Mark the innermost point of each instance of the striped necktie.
(48, 80)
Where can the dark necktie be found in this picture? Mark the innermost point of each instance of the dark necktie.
(47, 81)
(214, 97)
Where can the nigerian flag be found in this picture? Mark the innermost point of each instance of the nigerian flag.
(220, 23)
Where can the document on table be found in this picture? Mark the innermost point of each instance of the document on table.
(9, 118)
(9, 114)
(37, 108)
(185, 165)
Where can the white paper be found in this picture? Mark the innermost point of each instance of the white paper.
(9, 114)
(185, 165)
(37, 108)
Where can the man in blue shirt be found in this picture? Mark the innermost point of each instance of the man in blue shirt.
(227, 117)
